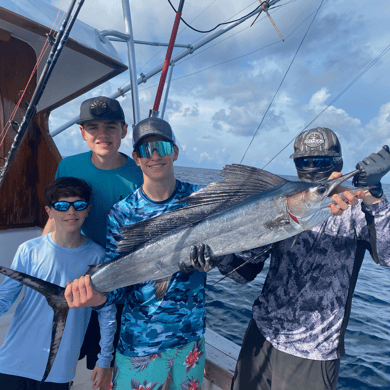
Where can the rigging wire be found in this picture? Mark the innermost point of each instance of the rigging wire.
(45, 46)
(125, 82)
(366, 69)
(281, 83)
(235, 58)
(244, 29)
(152, 86)
(220, 24)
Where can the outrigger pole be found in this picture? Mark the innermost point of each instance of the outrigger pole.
(55, 52)
(164, 71)
(189, 50)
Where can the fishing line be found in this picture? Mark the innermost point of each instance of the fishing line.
(235, 58)
(45, 46)
(239, 32)
(368, 67)
(268, 248)
(183, 29)
(192, 44)
(209, 47)
(284, 77)
(56, 49)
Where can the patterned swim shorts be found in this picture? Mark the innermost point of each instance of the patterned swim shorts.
(185, 366)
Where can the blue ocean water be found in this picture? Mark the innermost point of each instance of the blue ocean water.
(366, 365)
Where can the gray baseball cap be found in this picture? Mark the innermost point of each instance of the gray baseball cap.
(101, 108)
(152, 127)
(320, 141)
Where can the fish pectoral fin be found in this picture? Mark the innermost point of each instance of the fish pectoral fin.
(59, 321)
(161, 286)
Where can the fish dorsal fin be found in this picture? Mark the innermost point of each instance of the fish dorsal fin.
(239, 182)
(160, 287)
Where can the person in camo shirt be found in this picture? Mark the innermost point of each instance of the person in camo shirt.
(296, 337)
(162, 337)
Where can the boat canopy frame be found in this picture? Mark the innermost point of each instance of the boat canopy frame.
(134, 81)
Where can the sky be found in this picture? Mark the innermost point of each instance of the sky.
(220, 93)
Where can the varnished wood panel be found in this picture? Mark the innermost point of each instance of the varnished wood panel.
(35, 163)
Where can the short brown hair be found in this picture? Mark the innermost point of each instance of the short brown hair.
(67, 187)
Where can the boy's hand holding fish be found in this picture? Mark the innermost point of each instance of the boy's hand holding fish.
(80, 293)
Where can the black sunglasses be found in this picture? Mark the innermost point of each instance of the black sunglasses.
(62, 205)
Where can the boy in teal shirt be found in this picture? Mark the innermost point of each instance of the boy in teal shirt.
(162, 339)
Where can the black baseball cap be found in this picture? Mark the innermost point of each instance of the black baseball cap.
(152, 127)
(101, 108)
(320, 141)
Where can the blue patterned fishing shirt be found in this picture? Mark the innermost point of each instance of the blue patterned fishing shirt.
(148, 325)
(305, 303)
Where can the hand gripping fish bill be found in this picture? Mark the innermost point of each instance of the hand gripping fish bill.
(248, 209)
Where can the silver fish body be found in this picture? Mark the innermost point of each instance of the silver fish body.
(269, 216)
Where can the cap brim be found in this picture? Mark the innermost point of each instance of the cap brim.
(153, 135)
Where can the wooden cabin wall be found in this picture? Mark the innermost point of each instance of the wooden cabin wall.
(35, 163)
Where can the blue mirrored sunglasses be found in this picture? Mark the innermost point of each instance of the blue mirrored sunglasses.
(64, 206)
(315, 162)
(163, 148)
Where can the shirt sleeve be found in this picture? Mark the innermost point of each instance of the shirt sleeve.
(60, 171)
(378, 222)
(113, 231)
(107, 323)
(255, 259)
(10, 288)
(116, 296)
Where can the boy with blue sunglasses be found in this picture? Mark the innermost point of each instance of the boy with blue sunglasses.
(112, 175)
(57, 257)
(161, 340)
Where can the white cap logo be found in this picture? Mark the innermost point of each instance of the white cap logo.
(314, 139)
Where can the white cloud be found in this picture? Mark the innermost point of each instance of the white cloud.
(215, 112)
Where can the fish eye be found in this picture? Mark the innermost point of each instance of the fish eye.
(321, 190)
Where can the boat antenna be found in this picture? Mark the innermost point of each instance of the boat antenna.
(164, 71)
(264, 6)
(55, 52)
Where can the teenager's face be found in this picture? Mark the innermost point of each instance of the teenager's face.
(68, 221)
(103, 137)
(157, 168)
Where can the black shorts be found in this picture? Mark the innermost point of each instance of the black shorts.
(262, 367)
(12, 382)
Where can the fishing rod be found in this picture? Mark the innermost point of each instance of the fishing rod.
(55, 52)
(167, 61)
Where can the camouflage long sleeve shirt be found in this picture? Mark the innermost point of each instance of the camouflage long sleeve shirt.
(150, 326)
(305, 303)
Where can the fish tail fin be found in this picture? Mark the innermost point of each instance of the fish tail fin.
(54, 295)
